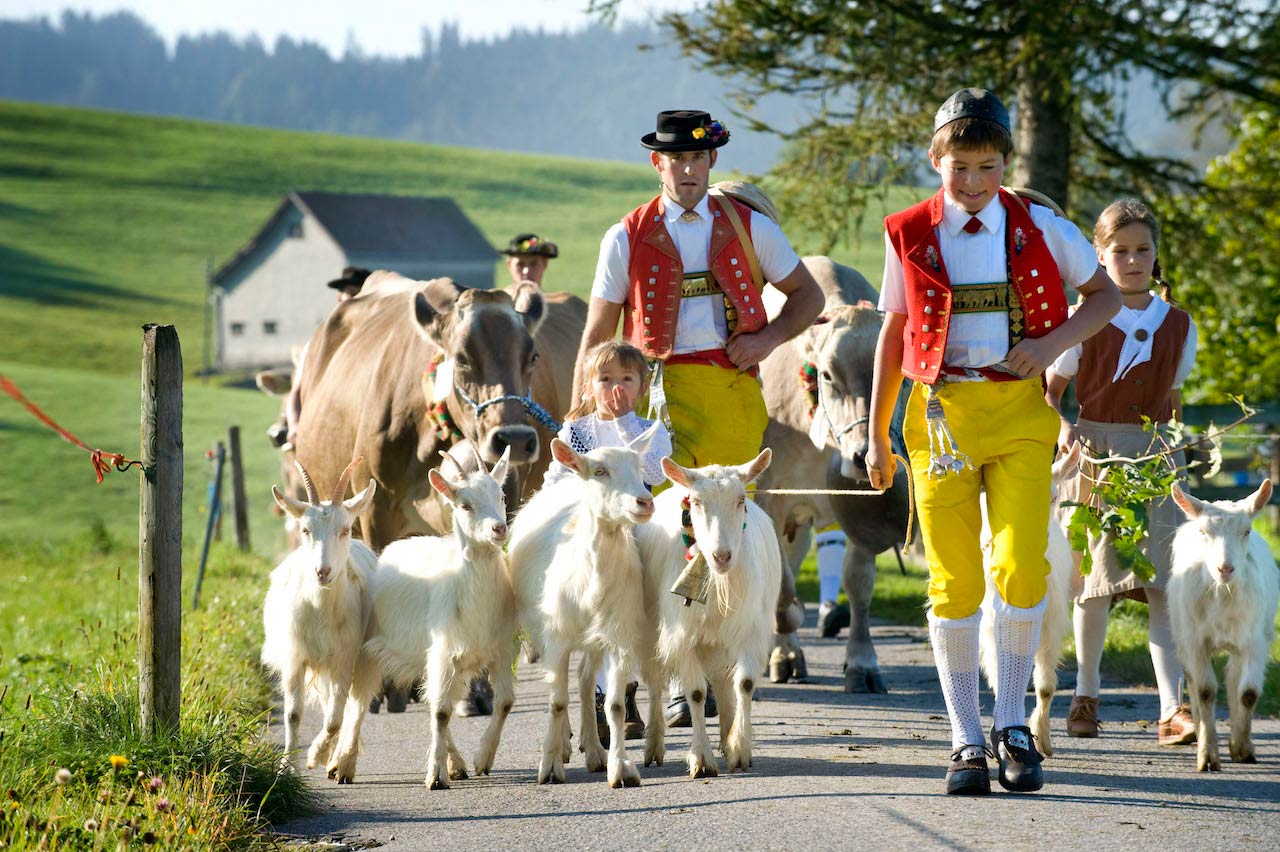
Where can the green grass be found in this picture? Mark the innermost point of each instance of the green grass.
(107, 220)
(68, 680)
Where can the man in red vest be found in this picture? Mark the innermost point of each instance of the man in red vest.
(974, 312)
(684, 273)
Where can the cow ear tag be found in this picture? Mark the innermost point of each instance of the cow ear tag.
(443, 384)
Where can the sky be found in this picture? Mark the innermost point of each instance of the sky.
(380, 27)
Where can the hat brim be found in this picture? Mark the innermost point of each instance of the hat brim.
(341, 283)
(549, 253)
(650, 141)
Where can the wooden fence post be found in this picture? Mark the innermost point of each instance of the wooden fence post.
(160, 532)
(238, 505)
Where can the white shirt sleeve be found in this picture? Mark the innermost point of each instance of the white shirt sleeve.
(893, 287)
(612, 281)
(777, 258)
(1188, 359)
(1076, 258)
(1068, 363)
(556, 471)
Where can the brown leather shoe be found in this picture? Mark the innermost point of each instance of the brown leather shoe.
(1082, 717)
(1178, 729)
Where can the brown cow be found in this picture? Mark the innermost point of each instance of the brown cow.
(365, 388)
(842, 349)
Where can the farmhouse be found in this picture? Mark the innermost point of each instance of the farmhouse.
(271, 295)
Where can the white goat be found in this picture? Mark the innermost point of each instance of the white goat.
(448, 600)
(724, 643)
(316, 615)
(1057, 611)
(578, 575)
(1223, 592)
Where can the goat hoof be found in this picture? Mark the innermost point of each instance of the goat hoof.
(799, 667)
(345, 779)
(1244, 754)
(459, 774)
(859, 681)
(437, 783)
(780, 669)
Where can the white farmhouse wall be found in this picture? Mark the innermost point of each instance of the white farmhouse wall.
(282, 283)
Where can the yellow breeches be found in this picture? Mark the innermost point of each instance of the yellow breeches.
(1009, 432)
(718, 414)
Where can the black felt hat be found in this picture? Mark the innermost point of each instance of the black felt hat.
(685, 130)
(531, 244)
(352, 276)
(972, 103)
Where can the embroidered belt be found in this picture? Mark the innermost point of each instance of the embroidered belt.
(699, 284)
(981, 298)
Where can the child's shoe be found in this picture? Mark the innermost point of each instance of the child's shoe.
(1178, 729)
(968, 775)
(1082, 717)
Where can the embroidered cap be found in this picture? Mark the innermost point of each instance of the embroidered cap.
(972, 103)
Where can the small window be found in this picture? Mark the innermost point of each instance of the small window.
(237, 329)
(269, 327)
(295, 230)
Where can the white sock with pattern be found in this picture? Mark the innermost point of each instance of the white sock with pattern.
(1164, 654)
(955, 651)
(1090, 619)
(831, 545)
(1017, 637)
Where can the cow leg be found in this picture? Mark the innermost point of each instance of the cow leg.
(787, 662)
(862, 668)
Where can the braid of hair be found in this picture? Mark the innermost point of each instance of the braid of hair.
(1166, 289)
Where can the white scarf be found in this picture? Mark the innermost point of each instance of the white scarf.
(1137, 351)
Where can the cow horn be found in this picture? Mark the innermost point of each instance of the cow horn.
(340, 490)
(312, 497)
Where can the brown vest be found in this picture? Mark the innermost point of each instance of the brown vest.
(1144, 390)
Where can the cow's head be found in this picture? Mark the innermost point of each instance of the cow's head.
(486, 340)
(842, 349)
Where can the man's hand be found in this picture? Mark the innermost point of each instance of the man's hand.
(881, 464)
(1032, 356)
(748, 349)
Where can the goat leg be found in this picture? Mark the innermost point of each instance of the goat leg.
(504, 691)
(622, 772)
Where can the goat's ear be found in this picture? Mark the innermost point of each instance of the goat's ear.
(440, 484)
(1067, 464)
(565, 454)
(682, 476)
(1190, 506)
(749, 472)
(289, 504)
(361, 501)
(1255, 501)
(499, 472)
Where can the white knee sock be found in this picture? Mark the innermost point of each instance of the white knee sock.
(1017, 637)
(1090, 620)
(955, 651)
(831, 545)
(1164, 654)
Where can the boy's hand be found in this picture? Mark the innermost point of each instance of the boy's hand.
(881, 464)
(1032, 356)
(1066, 435)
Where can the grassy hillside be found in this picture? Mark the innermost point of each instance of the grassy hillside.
(107, 220)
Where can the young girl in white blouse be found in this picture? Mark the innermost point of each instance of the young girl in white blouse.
(1134, 368)
(615, 375)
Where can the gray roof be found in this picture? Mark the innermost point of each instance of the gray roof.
(411, 228)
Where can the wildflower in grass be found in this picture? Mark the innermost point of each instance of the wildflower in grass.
(118, 761)
(163, 805)
(62, 777)
(155, 783)
(91, 826)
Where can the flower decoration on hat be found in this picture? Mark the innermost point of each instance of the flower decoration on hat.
(714, 132)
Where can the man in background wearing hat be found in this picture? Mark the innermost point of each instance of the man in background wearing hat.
(974, 313)
(528, 256)
(684, 273)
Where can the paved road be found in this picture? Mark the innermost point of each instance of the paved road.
(831, 771)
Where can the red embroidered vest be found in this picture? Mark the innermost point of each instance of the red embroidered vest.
(1145, 388)
(656, 272)
(1036, 284)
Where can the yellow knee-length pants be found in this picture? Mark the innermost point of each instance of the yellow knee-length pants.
(1009, 431)
(718, 415)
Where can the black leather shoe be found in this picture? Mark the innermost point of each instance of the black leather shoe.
(677, 713)
(602, 719)
(479, 700)
(711, 709)
(634, 725)
(1015, 750)
(832, 618)
(968, 775)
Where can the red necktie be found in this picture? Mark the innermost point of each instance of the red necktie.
(973, 226)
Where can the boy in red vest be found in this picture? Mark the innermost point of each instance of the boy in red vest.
(974, 313)
(684, 273)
